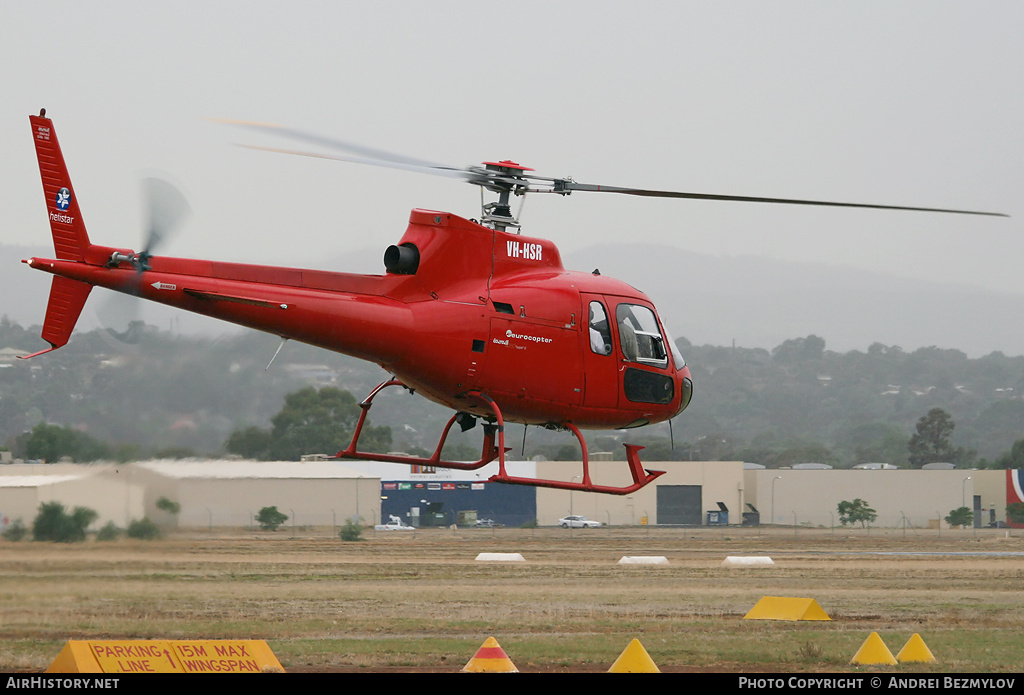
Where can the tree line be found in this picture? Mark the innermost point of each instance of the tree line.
(167, 395)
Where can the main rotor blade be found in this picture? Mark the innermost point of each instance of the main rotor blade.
(497, 181)
(561, 185)
(360, 154)
(363, 154)
(450, 172)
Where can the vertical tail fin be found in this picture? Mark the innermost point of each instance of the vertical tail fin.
(70, 240)
(69, 236)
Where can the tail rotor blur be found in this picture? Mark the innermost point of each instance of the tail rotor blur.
(166, 210)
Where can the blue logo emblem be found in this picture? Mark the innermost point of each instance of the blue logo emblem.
(63, 198)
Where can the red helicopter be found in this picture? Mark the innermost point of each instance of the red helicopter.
(470, 314)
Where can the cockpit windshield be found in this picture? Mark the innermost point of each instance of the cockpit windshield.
(677, 356)
(640, 336)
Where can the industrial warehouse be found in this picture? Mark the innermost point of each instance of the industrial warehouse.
(326, 493)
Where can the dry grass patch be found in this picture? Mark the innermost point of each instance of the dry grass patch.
(423, 603)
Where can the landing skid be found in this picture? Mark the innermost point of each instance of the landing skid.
(641, 476)
(492, 450)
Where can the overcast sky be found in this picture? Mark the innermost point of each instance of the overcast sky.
(905, 103)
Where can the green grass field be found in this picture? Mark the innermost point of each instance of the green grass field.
(422, 602)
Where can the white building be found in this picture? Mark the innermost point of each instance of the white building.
(210, 493)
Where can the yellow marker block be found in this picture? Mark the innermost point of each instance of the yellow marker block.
(915, 650)
(75, 657)
(226, 656)
(136, 656)
(490, 658)
(785, 608)
(634, 659)
(872, 652)
(166, 656)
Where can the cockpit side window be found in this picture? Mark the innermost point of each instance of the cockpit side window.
(640, 336)
(600, 331)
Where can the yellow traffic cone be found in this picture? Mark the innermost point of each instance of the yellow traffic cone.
(490, 658)
(915, 650)
(873, 651)
(634, 659)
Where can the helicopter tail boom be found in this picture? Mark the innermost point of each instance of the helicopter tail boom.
(341, 311)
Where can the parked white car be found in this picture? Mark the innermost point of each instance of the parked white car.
(576, 521)
(395, 524)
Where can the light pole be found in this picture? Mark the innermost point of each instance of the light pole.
(778, 477)
(963, 492)
(571, 480)
(572, 522)
(963, 497)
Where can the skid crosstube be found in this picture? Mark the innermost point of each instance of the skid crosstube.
(488, 453)
(492, 450)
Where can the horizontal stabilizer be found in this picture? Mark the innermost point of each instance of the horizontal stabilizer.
(67, 297)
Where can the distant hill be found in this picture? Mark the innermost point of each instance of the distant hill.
(752, 301)
(760, 302)
(23, 292)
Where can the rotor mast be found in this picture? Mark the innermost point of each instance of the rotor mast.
(504, 178)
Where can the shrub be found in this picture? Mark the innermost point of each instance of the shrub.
(16, 531)
(961, 516)
(269, 518)
(855, 512)
(52, 523)
(143, 529)
(351, 531)
(811, 652)
(110, 532)
(168, 505)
